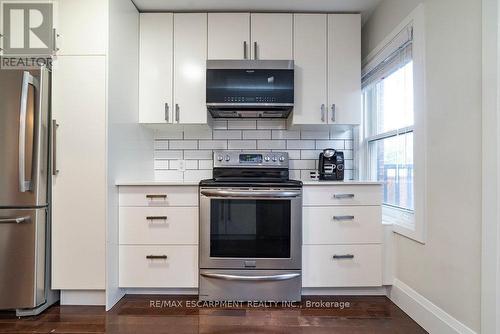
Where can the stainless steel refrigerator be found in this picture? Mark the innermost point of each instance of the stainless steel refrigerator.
(24, 190)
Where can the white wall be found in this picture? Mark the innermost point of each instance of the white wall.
(130, 146)
(446, 270)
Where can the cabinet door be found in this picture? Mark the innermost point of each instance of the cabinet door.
(190, 54)
(79, 189)
(310, 50)
(228, 36)
(272, 34)
(82, 26)
(155, 67)
(344, 68)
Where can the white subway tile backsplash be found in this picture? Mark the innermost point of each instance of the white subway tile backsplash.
(195, 145)
(335, 144)
(286, 134)
(267, 124)
(315, 135)
(242, 144)
(183, 144)
(257, 134)
(213, 144)
(197, 132)
(170, 155)
(227, 134)
(198, 154)
(205, 164)
(271, 144)
(242, 124)
(300, 144)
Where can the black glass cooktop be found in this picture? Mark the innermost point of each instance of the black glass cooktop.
(252, 183)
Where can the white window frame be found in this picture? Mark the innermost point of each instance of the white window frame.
(408, 224)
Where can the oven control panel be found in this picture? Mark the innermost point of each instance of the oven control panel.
(232, 159)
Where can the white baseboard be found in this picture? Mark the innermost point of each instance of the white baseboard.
(362, 291)
(432, 318)
(83, 297)
(164, 291)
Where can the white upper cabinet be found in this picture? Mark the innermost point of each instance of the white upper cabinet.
(228, 36)
(310, 54)
(344, 68)
(190, 54)
(70, 18)
(156, 67)
(272, 36)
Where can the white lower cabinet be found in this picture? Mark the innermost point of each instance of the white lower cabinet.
(158, 236)
(164, 266)
(342, 236)
(342, 265)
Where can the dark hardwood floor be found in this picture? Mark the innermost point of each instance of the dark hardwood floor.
(163, 314)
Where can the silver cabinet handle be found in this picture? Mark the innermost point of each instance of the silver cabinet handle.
(255, 50)
(15, 220)
(156, 218)
(344, 256)
(167, 116)
(323, 113)
(156, 257)
(55, 171)
(229, 277)
(341, 218)
(245, 56)
(334, 111)
(28, 79)
(251, 194)
(54, 36)
(152, 196)
(177, 113)
(343, 196)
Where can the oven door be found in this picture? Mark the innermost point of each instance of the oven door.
(250, 228)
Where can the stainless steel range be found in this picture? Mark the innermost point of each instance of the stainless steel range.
(250, 229)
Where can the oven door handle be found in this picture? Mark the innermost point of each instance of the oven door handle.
(228, 277)
(252, 193)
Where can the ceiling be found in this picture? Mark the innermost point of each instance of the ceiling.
(365, 7)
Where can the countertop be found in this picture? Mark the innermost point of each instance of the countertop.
(195, 183)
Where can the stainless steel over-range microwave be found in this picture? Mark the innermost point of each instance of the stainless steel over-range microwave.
(250, 88)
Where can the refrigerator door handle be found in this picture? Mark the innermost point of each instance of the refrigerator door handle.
(28, 79)
(15, 220)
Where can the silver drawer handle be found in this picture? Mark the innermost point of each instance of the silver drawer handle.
(156, 257)
(341, 257)
(15, 220)
(228, 277)
(156, 218)
(156, 196)
(343, 196)
(342, 218)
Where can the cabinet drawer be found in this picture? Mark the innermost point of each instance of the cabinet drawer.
(178, 270)
(161, 225)
(353, 265)
(342, 225)
(159, 196)
(343, 195)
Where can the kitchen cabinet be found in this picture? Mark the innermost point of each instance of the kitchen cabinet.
(271, 35)
(156, 67)
(327, 52)
(310, 55)
(79, 188)
(228, 35)
(342, 235)
(190, 54)
(344, 68)
(81, 27)
(158, 236)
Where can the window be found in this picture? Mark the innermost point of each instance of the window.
(391, 95)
